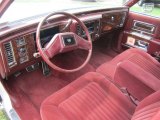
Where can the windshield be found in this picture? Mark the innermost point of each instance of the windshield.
(21, 9)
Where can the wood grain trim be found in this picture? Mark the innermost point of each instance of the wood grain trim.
(30, 47)
(108, 24)
(27, 30)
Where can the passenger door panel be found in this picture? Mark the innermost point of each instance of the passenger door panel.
(145, 34)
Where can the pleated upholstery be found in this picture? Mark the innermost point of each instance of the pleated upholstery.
(91, 97)
(147, 65)
(149, 108)
(148, 112)
(93, 103)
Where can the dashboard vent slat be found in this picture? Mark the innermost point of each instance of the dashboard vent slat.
(9, 54)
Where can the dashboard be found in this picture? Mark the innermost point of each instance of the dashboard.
(93, 28)
(18, 44)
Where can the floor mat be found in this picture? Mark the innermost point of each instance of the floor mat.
(99, 58)
(30, 89)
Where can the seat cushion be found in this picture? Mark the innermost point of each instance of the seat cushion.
(91, 96)
(149, 108)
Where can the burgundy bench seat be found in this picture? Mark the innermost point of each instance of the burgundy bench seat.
(93, 97)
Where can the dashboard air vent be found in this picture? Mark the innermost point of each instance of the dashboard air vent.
(9, 54)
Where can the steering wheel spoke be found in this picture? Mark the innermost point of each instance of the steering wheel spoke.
(53, 47)
(83, 43)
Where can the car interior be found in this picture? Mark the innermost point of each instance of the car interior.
(85, 64)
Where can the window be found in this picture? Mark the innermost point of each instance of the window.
(148, 7)
(21, 9)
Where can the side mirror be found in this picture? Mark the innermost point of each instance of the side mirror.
(148, 7)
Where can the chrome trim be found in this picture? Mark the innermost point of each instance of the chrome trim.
(146, 24)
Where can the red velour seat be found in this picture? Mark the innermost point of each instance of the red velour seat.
(93, 97)
(89, 97)
(136, 70)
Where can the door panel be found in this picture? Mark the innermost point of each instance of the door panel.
(143, 32)
(144, 18)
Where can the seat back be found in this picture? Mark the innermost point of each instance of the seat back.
(149, 108)
(139, 82)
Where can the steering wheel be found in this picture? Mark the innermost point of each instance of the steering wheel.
(64, 42)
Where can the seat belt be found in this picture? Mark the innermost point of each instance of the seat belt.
(125, 92)
(128, 94)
